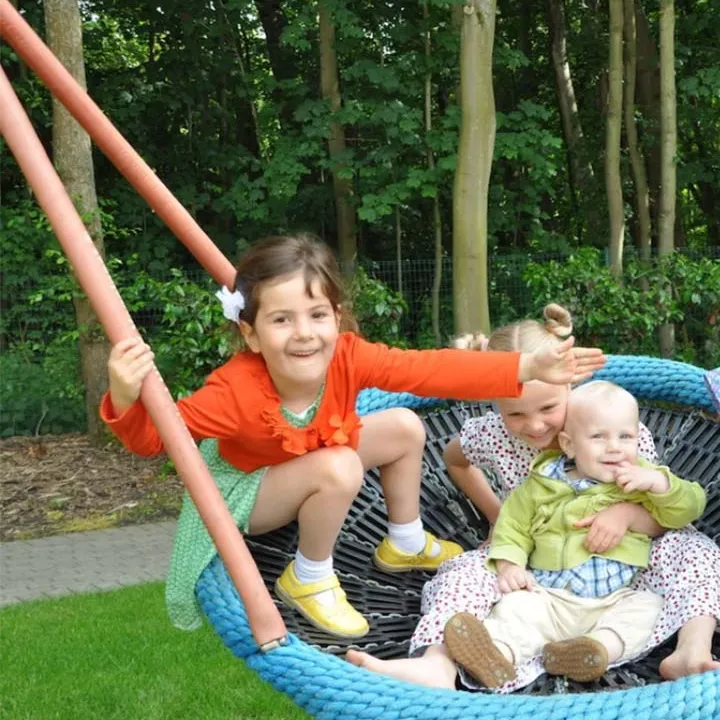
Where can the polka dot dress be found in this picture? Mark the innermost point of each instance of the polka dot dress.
(684, 565)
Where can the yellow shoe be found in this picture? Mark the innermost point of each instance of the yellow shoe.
(339, 618)
(388, 558)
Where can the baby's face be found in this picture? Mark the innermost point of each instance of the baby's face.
(601, 437)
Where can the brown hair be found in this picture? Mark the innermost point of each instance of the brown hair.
(278, 256)
(524, 335)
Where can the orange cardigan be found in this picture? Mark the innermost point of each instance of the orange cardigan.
(239, 406)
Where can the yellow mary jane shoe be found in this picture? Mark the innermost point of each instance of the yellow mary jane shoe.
(388, 558)
(335, 616)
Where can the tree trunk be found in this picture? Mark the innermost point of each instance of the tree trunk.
(72, 153)
(227, 29)
(613, 127)
(282, 61)
(580, 169)
(398, 247)
(472, 174)
(648, 101)
(342, 188)
(668, 132)
(437, 219)
(637, 159)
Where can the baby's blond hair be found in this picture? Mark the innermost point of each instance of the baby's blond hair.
(524, 335)
(597, 391)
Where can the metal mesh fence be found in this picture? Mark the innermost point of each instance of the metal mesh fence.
(32, 316)
(39, 360)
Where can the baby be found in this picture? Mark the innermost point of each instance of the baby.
(573, 606)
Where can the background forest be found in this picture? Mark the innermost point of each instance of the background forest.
(344, 119)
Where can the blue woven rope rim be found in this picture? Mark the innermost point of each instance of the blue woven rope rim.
(329, 688)
(647, 378)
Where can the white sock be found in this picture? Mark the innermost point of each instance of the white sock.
(312, 571)
(410, 538)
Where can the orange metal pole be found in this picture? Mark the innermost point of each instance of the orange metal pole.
(15, 127)
(65, 88)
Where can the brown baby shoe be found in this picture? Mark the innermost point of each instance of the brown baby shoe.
(471, 646)
(582, 659)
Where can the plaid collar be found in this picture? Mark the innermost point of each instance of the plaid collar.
(560, 468)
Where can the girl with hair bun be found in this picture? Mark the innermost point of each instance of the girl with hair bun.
(489, 459)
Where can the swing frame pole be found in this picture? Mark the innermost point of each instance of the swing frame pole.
(38, 56)
(265, 621)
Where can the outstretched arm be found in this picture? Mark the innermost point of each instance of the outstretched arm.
(463, 375)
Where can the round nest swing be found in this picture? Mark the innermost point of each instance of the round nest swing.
(676, 408)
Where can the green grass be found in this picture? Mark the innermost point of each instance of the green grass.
(115, 655)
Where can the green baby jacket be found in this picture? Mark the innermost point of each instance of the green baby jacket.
(535, 525)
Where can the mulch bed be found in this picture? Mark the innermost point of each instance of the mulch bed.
(56, 484)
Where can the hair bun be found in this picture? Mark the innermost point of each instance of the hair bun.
(557, 320)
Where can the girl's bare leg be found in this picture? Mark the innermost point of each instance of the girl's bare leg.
(317, 490)
(433, 669)
(693, 653)
(393, 441)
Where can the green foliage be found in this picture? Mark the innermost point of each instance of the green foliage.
(526, 141)
(41, 397)
(425, 337)
(623, 317)
(31, 259)
(183, 323)
(377, 309)
(229, 116)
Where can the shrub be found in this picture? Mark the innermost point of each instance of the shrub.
(42, 397)
(378, 309)
(624, 316)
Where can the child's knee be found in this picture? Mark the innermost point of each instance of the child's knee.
(341, 471)
(409, 427)
(515, 604)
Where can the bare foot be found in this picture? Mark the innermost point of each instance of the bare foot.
(434, 669)
(686, 662)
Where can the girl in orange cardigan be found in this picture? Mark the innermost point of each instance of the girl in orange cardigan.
(282, 438)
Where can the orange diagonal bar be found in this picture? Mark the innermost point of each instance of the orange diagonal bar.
(106, 136)
(15, 127)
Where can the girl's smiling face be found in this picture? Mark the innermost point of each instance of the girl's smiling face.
(538, 415)
(295, 330)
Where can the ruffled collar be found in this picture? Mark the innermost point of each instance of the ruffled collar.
(321, 431)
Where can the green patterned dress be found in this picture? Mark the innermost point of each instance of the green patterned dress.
(194, 547)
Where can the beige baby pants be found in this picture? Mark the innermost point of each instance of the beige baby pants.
(525, 620)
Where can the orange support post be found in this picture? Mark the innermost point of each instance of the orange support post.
(23, 39)
(15, 127)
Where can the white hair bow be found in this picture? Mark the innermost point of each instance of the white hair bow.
(233, 303)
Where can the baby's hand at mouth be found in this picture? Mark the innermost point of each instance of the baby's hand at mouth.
(632, 478)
